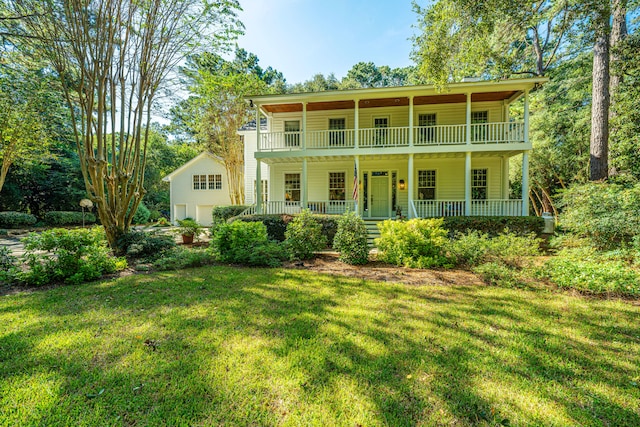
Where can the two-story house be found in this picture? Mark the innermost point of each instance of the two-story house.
(414, 149)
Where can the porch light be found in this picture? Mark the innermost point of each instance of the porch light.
(401, 184)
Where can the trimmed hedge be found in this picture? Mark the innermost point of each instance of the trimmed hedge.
(494, 225)
(58, 218)
(277, 224)
(12, 219)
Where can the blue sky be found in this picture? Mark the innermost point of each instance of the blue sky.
(301, 38)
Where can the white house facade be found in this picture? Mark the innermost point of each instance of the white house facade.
(383, 151)
(196, 187)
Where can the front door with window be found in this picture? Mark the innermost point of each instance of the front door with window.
(380, 194)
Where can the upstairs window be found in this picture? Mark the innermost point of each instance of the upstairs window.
(479, 132)
(207, 182)
(426, 121)
(426, 184)
(381, 123)
(215, 182)
(479, 184)
(336, 131)
(292, 133)
(199, 182)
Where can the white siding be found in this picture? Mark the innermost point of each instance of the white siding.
(250, 165)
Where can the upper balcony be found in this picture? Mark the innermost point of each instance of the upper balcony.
(419, 136)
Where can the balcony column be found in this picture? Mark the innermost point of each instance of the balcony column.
(467, 184)
(526, 116)
(411, 132)
(410, 187)
(356, 160)
(525, 183)
(258, 127)
(258, 200)
(304, 187)
(304, 125)
(468, 121)
(356, 123)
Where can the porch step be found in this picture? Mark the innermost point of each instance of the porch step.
(372, 231)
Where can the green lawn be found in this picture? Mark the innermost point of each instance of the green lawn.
(234, 347)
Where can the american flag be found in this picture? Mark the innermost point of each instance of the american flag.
(355, 182)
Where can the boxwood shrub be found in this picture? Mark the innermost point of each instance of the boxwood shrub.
(59, 218)
(494, 225)
(276, 224)
(12, 219)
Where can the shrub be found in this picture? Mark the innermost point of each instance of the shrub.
(142, 215)
(607, 214)
(415, 243)
(474, 248)
(245, 243)
(304, 236)
(162, 222)
(329, 224)
(141, 244)
(154, 215)
(223, 213)
(60, 218)
(16, 219)
(494, 225)
(276, 224)
(351, 239)
(72, 256)
(498, 274)
(587, 270)
(8, 265)
(180, 257)
(189, 227)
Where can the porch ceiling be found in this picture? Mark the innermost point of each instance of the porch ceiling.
(390, 102)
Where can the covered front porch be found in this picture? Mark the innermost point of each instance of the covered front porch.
(385, 186)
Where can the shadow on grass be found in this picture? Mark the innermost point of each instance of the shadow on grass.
(268, 347)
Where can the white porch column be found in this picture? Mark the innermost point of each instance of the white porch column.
(356, 160)
(505, 177)
(467, 184)
(304, 187)
(356, 124)
(468, 122)
(526, 116)
(410, 186)
(304, 125)
(411, 131)
(258, 186)
(258, 127)
(525, 183)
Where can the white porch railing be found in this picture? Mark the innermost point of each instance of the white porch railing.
(331, 207)
(384, 137)
(496, 133)
(441, 208)
(280, 141)
(330, 139)
(440, 135)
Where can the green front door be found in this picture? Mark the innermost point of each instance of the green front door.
(380, 194)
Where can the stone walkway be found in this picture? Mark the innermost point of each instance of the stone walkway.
(13, 243)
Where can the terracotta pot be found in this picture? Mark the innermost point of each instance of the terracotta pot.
(186, 239)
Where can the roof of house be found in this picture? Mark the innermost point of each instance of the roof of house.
(192, 161)
(485, 90)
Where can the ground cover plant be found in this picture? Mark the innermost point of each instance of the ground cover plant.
(234, 346)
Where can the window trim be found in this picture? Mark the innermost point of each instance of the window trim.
(209, 181)
(284, 186)
(435, 187)
(485, 186)
(344, 192)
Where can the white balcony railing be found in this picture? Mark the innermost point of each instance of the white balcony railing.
(440, 135)
(384, 137)
(481, 133)
(441, 208)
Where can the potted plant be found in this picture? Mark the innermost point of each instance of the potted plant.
(189, 229)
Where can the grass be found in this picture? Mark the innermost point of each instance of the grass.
(259, 347)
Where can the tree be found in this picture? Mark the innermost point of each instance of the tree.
(217, 108)
(25, 101)
(111, 58)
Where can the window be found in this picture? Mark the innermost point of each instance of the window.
(479, 184)
(337, 189)
(292, 133)
(381, 123)
(480, 131)
(427, 185)
(336, 131)
(292, 187)
(426, 121)
(204, 182)
(215, 182)
(265, 191)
